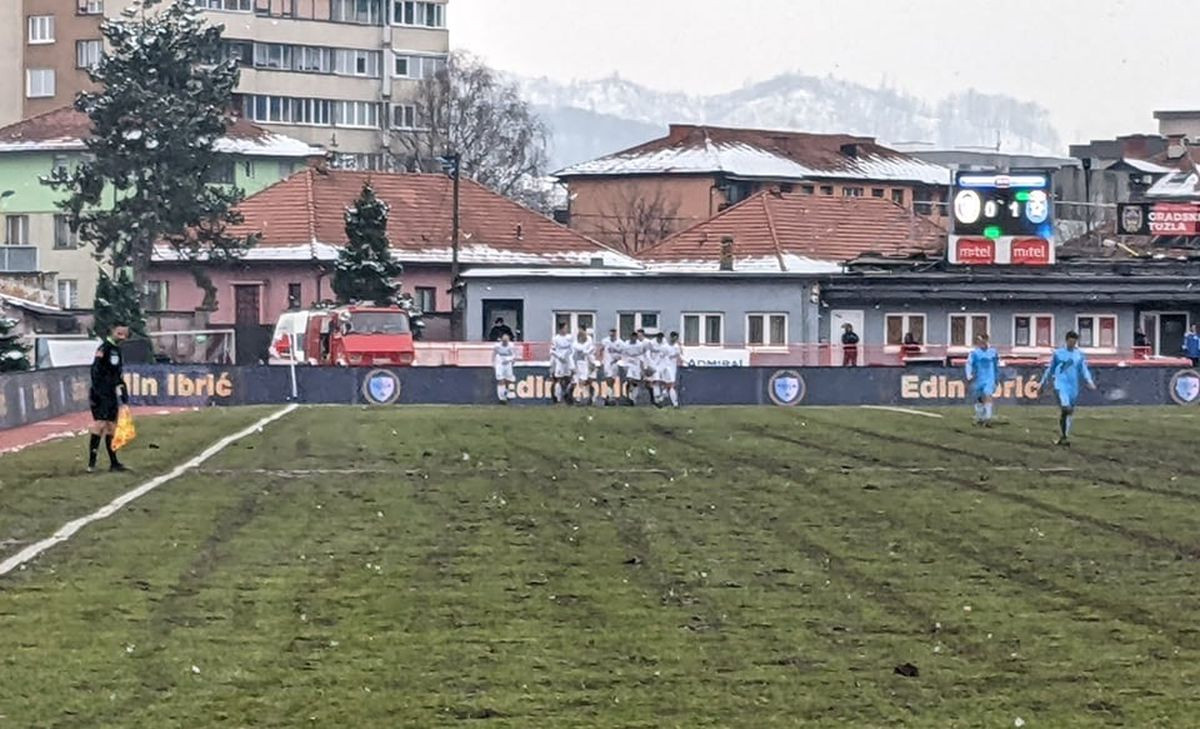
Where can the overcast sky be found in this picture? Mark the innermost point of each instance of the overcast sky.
(1100, 66)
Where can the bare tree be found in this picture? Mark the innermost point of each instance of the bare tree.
(638, 218)
(467, 109)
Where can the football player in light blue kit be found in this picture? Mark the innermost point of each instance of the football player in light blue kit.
(983, 373)
(1069, 369)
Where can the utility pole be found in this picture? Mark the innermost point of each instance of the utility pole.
(451, 164)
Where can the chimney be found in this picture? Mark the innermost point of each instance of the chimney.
(850, 150)
(726, 253)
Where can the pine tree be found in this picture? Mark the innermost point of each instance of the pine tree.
(117, 302)
(366, 271)
(14, 354)
(165, 90)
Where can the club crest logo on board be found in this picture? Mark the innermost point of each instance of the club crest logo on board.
(381, 387)
(786, 388)
(1185, 387)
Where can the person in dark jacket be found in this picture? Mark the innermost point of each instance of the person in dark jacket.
(1191, 345)
(499, 330)
(849, 346)
(107, 395)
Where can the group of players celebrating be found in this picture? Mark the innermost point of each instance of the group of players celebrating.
(584, 371)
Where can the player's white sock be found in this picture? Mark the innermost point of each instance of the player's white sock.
(987, 411)
(1067, 426)
(501, 391)
(674, 397)
(978, 411)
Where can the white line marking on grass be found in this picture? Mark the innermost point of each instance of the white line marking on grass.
(43, 439)
(906, 411)
(69, 529)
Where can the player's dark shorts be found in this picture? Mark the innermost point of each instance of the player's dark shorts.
(104, 409)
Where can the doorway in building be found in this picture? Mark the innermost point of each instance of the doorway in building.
(838, 318)
(1164, 332)
(512, 311)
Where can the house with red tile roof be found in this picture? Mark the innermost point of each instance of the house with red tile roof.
(638, 196)
(301, 225)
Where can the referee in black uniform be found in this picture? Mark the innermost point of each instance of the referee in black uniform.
(107, 395)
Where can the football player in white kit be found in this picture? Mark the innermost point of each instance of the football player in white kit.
(560, 365)
(503, 356)
(668, 373)
(631, 363)
(610, 365)
(654, 349)
(583, 360)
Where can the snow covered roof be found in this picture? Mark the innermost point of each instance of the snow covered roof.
(302, 219)
(1180, 183)
(760, 154)
(31, 306)
(66, 129)
(1144, 165)
(652, 271)
(786, 232)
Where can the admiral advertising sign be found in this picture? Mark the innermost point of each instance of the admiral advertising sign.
(1158, 219)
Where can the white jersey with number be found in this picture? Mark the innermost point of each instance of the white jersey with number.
(631, 359)
(560, 355)
(503, 357)
(668, 371)
(582, 359)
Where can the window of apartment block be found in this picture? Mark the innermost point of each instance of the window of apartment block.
(965, 327)
(356, 114)
(241, 6)
(703, 329)
(41, 29)
(896, 326)
(16, 230)
(418, 66)
(574, 320)
(64, 237)
(350, 161)
(364, 12)
(826, 189)
(154, 296)
(421, 14)
(404, 116)
(89, 7)
(877, 192)
(924, 201)
(426, 298)
(898, 197)
(59, 162)
(852, 192)
(87, 53)
(766, 330)
(39, 83)
(1097, 331)
(68, 293)
(1033, 330)
(350, 62)
(807, 189)
(222, 172)
(629, 322)
(313, 60)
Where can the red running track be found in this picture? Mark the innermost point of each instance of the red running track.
(65, 426)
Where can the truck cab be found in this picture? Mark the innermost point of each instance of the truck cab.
(360, 336)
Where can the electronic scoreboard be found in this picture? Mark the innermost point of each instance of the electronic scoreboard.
(1002, 218)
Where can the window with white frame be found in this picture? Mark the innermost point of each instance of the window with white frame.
(407, 65)
(241, 6)
(852, 192)
(629, 322)
(351, 62)
(964, 328)
(419, 14)
(154, 296)
(426, 298)
(356, 114)
(39, 83)
(16, 230)
(41, 29)
(404, 116)
(364, 12)
(1033, 330)
(1097, 331)
(766, 330)
(90, 7)
(68, 293)
(64, 237)
(87, 53)
(575, 320)
(703, 329)
(897, 327)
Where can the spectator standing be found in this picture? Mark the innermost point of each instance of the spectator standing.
(1191, 345)
(849, 346)
(500, 330)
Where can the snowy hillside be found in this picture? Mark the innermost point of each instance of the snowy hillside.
(592, 118)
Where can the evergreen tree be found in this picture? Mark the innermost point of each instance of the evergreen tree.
(366, 270)
(165, 90)
(117, 301)
(14, 354)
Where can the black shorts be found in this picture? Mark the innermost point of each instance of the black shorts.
(104, 409)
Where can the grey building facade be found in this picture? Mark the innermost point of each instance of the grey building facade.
(717, 309)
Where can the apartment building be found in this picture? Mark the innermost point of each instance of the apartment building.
(339, 74)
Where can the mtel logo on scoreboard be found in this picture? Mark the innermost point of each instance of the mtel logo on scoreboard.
(1002, 219)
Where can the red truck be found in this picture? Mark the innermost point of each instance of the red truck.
(346, 336)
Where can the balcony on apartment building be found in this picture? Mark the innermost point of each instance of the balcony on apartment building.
(406, 13)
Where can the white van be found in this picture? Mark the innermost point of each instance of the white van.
(290, 328)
